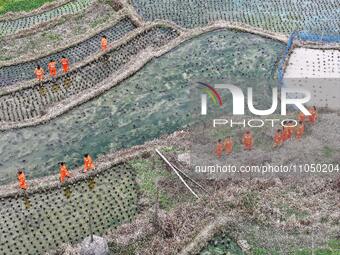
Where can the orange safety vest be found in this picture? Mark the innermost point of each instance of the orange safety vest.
(228, 145)
(53, 69)
(247, 139)
(22, 181)
(278, 138)
(64, 62)
(300, 129)
(290, 131)
(313, 117)
(285, 134)
(104, 43)
(39, 73)
(219, 149)
(301, 117)
(88, 163)
(64, 173)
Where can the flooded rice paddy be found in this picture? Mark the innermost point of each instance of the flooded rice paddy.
(151, 103)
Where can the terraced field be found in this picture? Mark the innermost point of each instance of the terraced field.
(33, 102)
(49, 218)
(15, 6)
(70, 31)
(153, 102)
(25, 71)
(285, 16)
(8, 27)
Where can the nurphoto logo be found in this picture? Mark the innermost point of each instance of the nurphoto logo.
(302, 96)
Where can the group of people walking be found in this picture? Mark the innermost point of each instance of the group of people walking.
(228, 144)
(64, 173)
(39, 73)
(289, 129)
(65, 63)
(52, 67)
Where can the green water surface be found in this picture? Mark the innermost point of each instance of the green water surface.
(151, 103)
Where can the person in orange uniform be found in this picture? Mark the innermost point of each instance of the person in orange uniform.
(88, 163)
(277, 138)
(300, 129)
(22, 180)
(64, 63)
(104, 43)
(52, 67)
(285, 132)
(64, 173)
(288, 130)
(301, 117)
(228, 145)
(219, 148)
(39, 73)
(248, 141)
(291, 129)
(314, 115)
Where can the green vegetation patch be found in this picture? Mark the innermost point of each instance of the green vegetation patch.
(327, 151)
(221, 244)
(149, 171)
(326, 251)
(262, 251)
(20, 5)
(333, 248)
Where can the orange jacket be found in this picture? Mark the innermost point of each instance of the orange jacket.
(63, 173)
(301, 117)
(52, 68)
(88, 163)
(291, 129)
(278, 138)
(285, 134)
(300, 129)
(247, 139)
(228, 145)
(219, 149)
(64, 61)
(65, 64)
(313, 117)
(104, 43)
(22, 181)
(39, 73)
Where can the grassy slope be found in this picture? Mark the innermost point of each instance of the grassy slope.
(20, 5)
(331, 249)
(256, 200)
